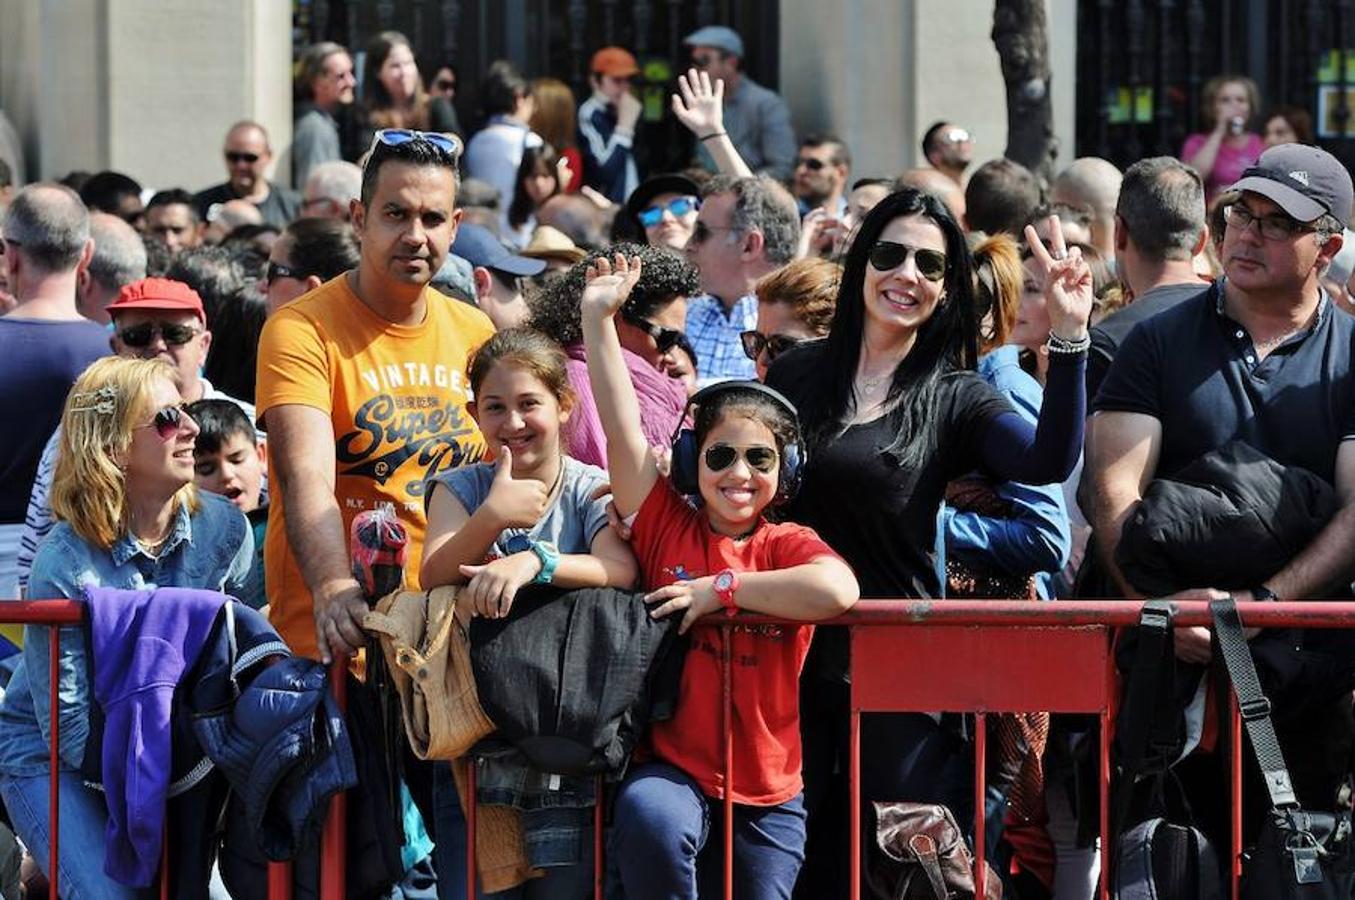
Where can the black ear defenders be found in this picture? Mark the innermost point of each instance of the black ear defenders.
(687, 451)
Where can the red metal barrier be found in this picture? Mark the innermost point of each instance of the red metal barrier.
(999, 656)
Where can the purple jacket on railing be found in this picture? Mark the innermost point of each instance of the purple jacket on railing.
(144, 642)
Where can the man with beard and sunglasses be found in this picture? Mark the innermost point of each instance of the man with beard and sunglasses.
(151, 318)
(47, 343)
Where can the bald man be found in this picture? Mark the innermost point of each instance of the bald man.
(119, 259)
(248, 155)
(1093, 184)
(939, 185)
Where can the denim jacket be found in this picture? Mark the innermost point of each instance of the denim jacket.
(1037, 537)
(210, 549)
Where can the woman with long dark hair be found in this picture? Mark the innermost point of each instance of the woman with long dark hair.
(393, 95)
(892, 412)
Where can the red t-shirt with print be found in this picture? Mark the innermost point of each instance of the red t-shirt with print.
(675, 542)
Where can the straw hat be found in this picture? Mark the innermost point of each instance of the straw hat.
(551, 243)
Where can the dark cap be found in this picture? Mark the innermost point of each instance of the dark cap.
(1306, 182)
(479, 247)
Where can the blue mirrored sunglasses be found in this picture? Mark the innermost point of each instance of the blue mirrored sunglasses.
(679, 207)
(394, 137)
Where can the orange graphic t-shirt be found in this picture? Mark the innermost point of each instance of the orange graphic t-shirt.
(396, 396)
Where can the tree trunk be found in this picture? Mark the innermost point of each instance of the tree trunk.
(1021, 35)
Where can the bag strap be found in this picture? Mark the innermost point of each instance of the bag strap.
(1148, 679)
(924, 848)
(1253, 703)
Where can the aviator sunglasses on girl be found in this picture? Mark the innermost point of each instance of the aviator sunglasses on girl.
(760, 458)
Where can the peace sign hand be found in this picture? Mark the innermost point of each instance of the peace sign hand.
(1066, 282)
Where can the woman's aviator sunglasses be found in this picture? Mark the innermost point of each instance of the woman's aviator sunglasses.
(651, 216)
(888, 255)
(755, 343)
(139, 336)
(760, 458)
(169, 421)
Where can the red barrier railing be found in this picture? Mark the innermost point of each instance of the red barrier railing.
(1002, 656)
(56, 613)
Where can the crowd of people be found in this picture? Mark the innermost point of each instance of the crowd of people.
(766, 382)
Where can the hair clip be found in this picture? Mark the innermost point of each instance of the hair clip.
(103, 401)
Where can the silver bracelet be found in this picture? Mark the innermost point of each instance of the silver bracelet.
(1056, 344)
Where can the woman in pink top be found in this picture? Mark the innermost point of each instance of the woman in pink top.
(1221, 154)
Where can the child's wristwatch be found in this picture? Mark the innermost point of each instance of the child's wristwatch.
(726, 584)
(549, 555)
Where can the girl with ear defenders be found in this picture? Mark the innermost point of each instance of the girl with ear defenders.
(742, 456)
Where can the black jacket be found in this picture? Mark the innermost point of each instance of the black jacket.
(572, 679)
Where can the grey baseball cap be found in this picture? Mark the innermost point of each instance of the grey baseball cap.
(717, 36)
(1306, 182)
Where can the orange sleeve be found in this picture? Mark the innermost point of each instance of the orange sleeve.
(293, 364)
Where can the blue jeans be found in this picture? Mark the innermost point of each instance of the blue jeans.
(667, 841)
(449, 855)
(84, 815)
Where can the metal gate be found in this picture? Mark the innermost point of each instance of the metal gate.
(1143, 63)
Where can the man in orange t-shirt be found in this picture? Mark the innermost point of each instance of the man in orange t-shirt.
(363, 394)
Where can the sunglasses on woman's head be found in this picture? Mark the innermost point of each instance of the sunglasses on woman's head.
(755, 343)
(139, 336)
(664, 338)
(679, 207)
(888, 255)
(760, 458)
(168, 422)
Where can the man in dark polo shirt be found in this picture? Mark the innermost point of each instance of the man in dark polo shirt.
(1159, 229)
(1262, 356)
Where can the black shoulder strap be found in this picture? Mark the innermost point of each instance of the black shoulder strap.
(1253, 703)
(1150, 676)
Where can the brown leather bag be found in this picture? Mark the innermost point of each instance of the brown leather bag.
(921, 854)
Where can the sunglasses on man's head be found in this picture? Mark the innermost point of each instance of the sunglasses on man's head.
(395, 137)
(755, 343)
(139, 336)
(678, 206)
(664, 338)
(760, 458)
(168, 422)
(888, 255)
(233, 157)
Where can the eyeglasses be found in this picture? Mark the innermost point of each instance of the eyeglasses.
(664, 338)
(679, 207)
(755, 343)
(139, 336)
(233, 157)
(887, 255)
(702, 232)
(277, 270)
(810, 163)
(760, 458)
(395, 137)
(957, 136)
(1272, 228)
(168, 422)
(444, 84)
(704, 59)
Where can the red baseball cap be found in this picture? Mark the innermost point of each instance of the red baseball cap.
(614, 61)
(159, 293)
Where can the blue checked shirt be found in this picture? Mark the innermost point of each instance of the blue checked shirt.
(714, 335)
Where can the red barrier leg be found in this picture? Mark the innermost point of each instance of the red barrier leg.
(164, 867)
(727, 726)
(854, 801)
(1103, 753)
(334, 841)
(280, 881)
(53, 801)
(980, 792)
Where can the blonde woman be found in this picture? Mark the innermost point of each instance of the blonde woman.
(129, 517)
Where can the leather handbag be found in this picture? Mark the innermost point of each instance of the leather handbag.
(922, 855)
(1299, 854)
